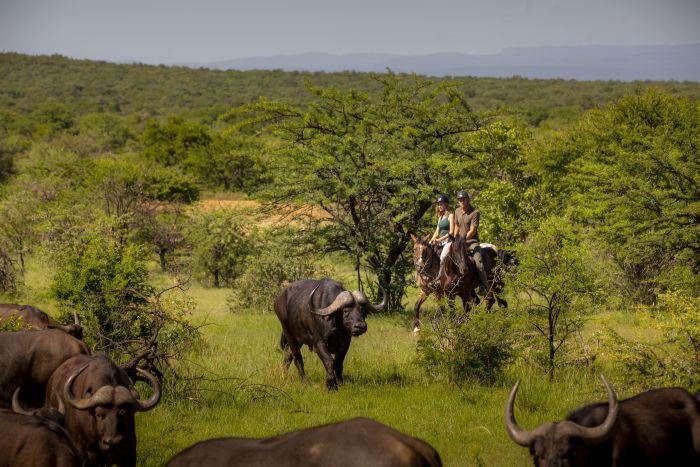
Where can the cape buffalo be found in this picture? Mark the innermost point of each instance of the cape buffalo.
(28, 360)
(659, 427)
(324, 316)
(37, 319)
(100, 402)
(37, 441)
(359, 442)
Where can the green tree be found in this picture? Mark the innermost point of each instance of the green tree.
(172, 142)
(632, 173)
(561, 281)
(219, 245)
(373, 165)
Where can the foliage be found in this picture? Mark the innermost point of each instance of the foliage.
(13, 323)
(172, 142)
(8, 273)
(277, 262)
(219, 244)
(672, 358)
(561, 281)
(371, 164)
(100, 283)
(467, 349)
(634, 179)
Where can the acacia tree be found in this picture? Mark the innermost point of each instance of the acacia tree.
(372, 164)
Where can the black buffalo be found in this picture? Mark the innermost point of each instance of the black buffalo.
(100, 402)
(28, 358)
(324, 316)
(359, 442)
(37, 319)
(35, 440)
(656, 428)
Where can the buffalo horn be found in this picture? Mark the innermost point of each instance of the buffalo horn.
(17, 406)
(75, 318)
(381, 305)
(517, 434)
(597, 433)
(151, 402)
(343, 299)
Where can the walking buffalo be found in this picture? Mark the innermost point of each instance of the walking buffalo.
(656, 428)
(100, 402)
(28, 360)
(324, 316)
(37, 441)
(358, 442)
(37, 319)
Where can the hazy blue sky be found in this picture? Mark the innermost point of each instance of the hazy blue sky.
(179, 31)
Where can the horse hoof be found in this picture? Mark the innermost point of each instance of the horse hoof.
(416, 330)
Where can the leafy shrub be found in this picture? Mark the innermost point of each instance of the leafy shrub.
(672, 358)
(13, 323)
(106, 283)
(475, 348)
(275, 264)
(220, 245)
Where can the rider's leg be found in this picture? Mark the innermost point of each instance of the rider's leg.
(476, 254)
(441, 270)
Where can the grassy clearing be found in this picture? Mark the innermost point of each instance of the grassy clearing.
(382, 382)
(249, 394)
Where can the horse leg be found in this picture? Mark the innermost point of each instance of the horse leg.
(422, 296)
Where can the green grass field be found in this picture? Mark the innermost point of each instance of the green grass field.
(248, 394)
(255, 398)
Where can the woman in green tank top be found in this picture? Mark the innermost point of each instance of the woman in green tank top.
(445, 225)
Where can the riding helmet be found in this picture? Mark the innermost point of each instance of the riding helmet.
(443, 199)
(462, 194)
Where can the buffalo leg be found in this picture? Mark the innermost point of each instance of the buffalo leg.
(338, 363)
(292, 351)
(327, 359)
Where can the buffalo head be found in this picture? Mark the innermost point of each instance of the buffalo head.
(111, 407)
(353, 306)
(563, 443)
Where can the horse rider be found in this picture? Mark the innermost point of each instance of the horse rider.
(442, 235)
(466, 224)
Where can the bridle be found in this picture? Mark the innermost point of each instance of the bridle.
(427, 264)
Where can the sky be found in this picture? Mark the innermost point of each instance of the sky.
(203, 31)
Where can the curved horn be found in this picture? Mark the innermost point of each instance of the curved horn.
(151, 402)
(600, 432)
(83, 404)
(517, 434)
(381, 305)
(343, 299)
(17, 406)
(75, 318)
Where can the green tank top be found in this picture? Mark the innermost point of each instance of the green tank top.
(444, 226)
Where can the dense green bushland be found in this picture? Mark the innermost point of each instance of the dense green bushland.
(154, 201)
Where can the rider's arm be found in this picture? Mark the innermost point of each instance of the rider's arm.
(435, 234)
(473, 226)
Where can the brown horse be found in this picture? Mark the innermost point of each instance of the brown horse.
(460, 278)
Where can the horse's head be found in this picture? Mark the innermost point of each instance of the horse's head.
(458, 255)
(422, 252)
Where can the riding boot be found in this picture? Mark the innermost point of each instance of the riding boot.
(484, 287)
(435, 283)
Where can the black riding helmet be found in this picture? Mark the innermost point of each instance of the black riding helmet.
(462, 194)
(443, 199)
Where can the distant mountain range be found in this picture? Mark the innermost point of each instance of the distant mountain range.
(624, 63)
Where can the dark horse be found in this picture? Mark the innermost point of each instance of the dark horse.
(459, 280)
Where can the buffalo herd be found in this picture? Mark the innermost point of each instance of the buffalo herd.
(61, 406)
